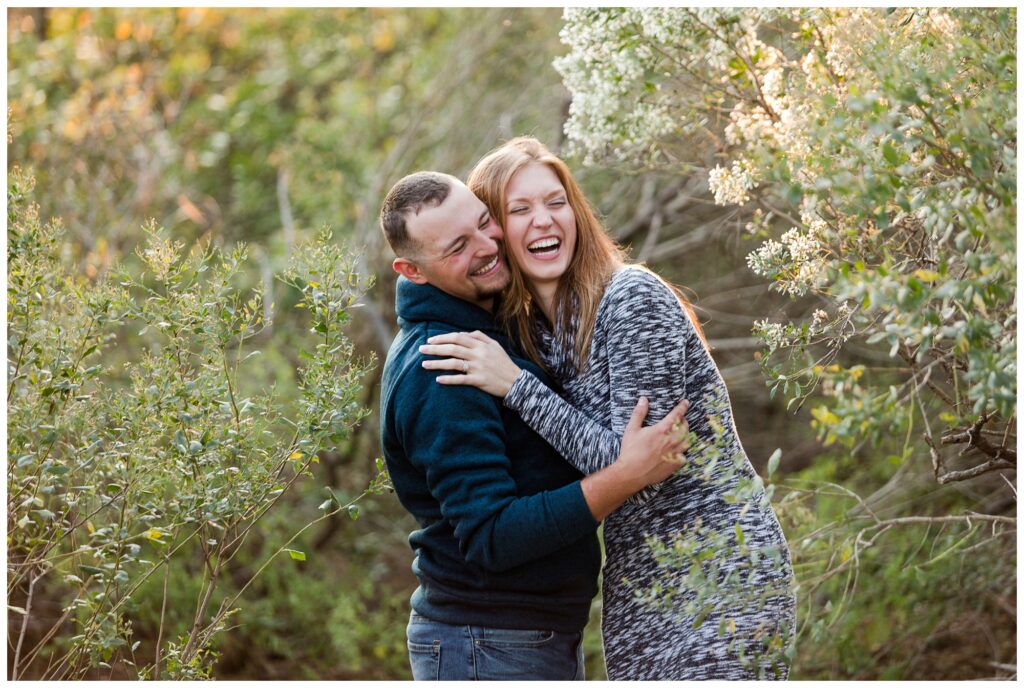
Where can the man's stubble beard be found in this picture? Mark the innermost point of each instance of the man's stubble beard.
(493, 291)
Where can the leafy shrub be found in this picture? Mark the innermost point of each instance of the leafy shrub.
(121, 474)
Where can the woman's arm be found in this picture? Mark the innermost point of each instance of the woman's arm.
(584, 443)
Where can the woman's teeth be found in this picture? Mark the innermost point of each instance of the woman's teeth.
(486, 268)
(544, 246)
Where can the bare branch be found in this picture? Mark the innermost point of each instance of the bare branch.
(995, 465)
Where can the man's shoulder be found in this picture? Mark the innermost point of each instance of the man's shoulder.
(408, 384)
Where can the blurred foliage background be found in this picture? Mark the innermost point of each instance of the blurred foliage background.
(260, 127)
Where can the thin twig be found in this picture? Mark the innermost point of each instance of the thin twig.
(24, 626)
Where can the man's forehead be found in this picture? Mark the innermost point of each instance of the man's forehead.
(456, 215)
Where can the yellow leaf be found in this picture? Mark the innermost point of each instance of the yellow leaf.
(927, 275)
(296, 456)
(90, 527)
(732, 626)
(824, 416)
(123, 31)
(384, 41)
(154, 534)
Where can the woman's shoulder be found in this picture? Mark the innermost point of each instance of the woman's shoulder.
(636, 285)
(638, 300)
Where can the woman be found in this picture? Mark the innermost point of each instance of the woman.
(610, 333)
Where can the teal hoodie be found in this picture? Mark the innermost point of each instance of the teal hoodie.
(506, 539)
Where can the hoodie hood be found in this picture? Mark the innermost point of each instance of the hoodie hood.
(426, 303)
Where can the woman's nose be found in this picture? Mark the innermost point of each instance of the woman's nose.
(542, 218)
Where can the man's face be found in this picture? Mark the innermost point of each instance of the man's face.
(459, 249)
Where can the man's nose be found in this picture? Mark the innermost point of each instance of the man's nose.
(495, 232)
(488, 242)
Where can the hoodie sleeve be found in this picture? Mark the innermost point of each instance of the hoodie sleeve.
(458, 440)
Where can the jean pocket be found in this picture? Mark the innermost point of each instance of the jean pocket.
(425, 660)
(506, 637)
(526, 655)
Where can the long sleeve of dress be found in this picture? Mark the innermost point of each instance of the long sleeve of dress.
(583, 442)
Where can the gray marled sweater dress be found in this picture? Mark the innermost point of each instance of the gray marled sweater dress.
(644, 344)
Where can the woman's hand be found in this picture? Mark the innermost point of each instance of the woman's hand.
(651, 454)
(479, 360)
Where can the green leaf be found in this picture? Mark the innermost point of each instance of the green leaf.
(353, 511)
(891, 155)
(179, 441)
(773, 462)
(296, 554)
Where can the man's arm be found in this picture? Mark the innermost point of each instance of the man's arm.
(462, 453)
(641, 461)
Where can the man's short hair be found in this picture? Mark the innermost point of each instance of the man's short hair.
(411, 194)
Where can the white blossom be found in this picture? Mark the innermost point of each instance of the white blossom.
(730, 185)
(773, 334)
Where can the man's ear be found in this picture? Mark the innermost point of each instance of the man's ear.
(409, 270)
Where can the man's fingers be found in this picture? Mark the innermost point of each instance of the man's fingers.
(680, 409)
(679, 444)
(675, 416)
(636, 419)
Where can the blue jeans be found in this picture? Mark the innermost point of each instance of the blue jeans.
(441, 652)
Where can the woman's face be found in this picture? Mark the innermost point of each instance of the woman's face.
(540, 226)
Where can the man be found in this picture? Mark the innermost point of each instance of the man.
(507, 553)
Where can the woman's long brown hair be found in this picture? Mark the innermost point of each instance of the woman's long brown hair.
(597, 256)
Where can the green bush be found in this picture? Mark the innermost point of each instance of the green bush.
(121, 474)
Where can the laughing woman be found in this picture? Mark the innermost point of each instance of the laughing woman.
(612, 332)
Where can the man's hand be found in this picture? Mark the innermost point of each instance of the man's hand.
(648, 455)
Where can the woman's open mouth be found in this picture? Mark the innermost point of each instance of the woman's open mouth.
(545, 249)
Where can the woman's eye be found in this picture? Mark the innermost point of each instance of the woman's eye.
(558, 203)
(517, 211)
